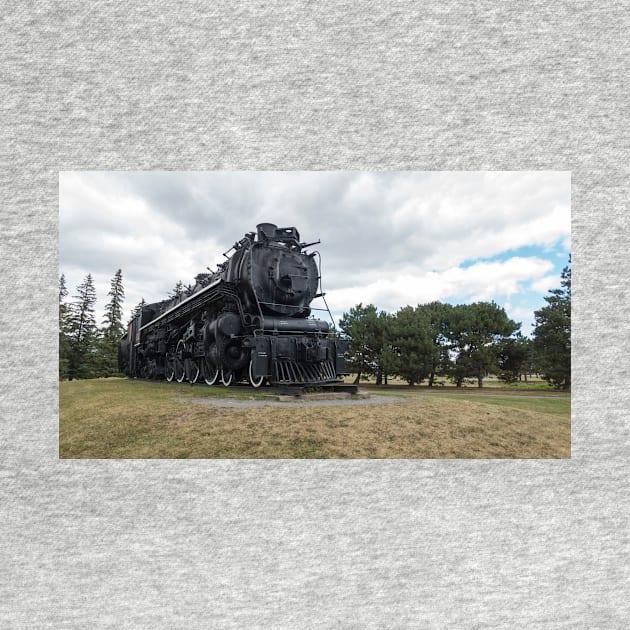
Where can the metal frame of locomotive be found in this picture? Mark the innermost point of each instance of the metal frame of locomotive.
(251, 319)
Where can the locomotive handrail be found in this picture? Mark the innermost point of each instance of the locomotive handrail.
(298, 308)
(314, 333)
(251, 266)
(321, 289)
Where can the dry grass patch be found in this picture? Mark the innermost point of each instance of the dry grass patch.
(122, 419)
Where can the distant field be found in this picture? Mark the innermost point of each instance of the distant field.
(533, 382)
(118, 418)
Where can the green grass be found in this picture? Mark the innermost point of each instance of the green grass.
(119, 418)
(560, 406)
(533, 383)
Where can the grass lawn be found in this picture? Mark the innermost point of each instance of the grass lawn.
(119, 418)
(533, 383)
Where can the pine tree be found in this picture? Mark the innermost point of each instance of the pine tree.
(515, 358)
(552, 334)
(64, 343)
(412, 342)
(83, 332)
(366, 330)
(437, 315)
(477, 333)
(177, 291)
(137, 309)
(113, 327)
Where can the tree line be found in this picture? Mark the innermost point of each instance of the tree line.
(417, 344)
(460, 342)
(87, 349)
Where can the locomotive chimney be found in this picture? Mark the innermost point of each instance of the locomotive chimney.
(266, 231)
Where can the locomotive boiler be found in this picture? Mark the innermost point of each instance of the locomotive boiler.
(249, 320)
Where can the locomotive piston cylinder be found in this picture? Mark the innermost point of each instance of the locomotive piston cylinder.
(226, 325)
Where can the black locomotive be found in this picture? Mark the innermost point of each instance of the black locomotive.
(250, 320)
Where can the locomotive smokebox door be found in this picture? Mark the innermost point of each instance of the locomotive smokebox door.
(261, 357)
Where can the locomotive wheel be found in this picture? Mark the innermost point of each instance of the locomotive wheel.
(255, 382)
(210, 372)
(199, 364)
(227, 376)
(180, 372)
(192, 370)
(170, 368)
(180, 368)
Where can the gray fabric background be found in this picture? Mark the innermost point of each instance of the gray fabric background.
(350, 85)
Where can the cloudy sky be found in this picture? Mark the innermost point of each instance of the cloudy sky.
(387, 238)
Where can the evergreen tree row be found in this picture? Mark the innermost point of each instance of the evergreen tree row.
(464, 341)
(85, 349)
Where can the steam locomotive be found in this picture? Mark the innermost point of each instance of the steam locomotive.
(249, 320)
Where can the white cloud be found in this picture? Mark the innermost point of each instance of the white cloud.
(387, 237)
(482, 281)
(524, 315)
(545, 284)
